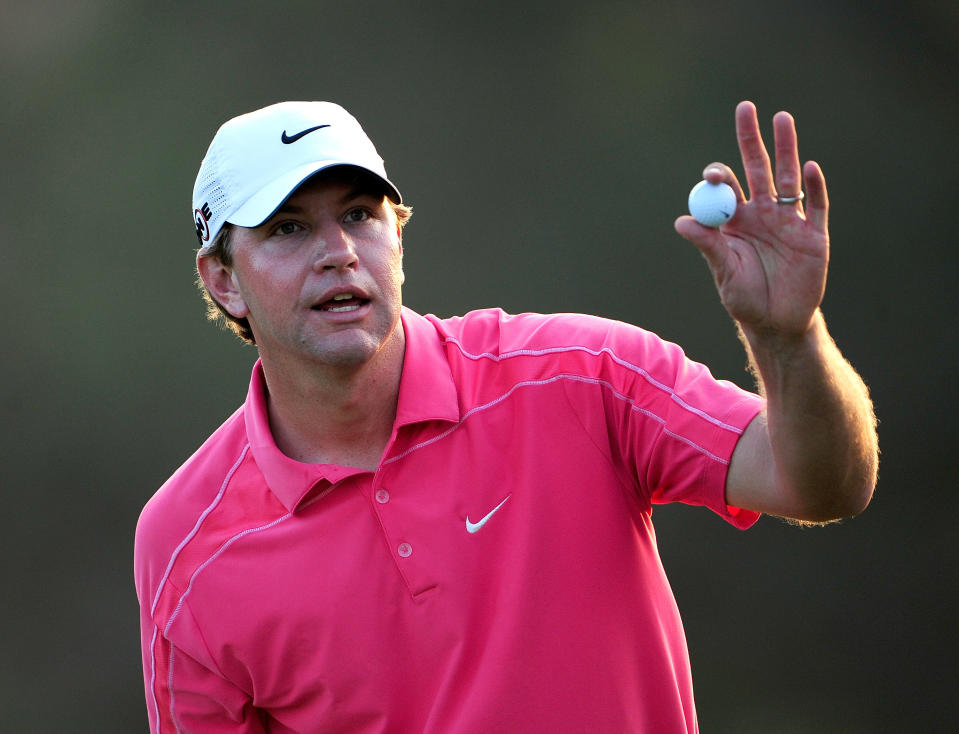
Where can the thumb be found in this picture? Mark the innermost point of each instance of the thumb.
(708, 240)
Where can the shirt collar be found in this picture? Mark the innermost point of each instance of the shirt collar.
(427, 392)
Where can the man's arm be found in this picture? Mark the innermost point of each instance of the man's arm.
(813, 454)
(184, 695)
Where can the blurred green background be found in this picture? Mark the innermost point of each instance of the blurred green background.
(547, 148)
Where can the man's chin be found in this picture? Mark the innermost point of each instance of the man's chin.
(346, 358)
(349, 349)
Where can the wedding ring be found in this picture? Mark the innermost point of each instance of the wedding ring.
(789, 199)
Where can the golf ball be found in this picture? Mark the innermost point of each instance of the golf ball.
(712, 204)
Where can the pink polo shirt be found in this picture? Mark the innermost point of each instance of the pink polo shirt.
(497, 573)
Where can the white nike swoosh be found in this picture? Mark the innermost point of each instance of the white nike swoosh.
(472, 527)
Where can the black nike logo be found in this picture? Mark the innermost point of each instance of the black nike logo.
(293, 138)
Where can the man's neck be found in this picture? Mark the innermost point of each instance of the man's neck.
(334, 415)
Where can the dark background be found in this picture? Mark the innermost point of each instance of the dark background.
(547, 148)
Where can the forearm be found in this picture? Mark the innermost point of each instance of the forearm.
(820, 422)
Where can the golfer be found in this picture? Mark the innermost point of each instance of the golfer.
(416, 524)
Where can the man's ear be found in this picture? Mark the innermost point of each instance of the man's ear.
(221, 281)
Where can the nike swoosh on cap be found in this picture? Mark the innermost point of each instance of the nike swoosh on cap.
(293, 138)
(472, 527)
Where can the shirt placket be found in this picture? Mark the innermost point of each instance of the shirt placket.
(406, 539)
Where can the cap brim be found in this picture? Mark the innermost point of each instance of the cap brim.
(261, 206)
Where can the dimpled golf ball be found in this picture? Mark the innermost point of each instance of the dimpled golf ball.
(712, 204)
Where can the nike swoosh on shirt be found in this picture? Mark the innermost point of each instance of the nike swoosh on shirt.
(472, 527)
(293, 138)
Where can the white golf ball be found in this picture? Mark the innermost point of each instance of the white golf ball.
(712, 204)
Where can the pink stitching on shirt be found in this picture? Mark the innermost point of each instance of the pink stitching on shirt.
(199, 522)
(169, 569)
(201, 567)
(189, 588)
(605, 350)
(546, 381)
(176, 723)
(208, 561)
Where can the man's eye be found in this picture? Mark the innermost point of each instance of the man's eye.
(286, 228)
(357, 215)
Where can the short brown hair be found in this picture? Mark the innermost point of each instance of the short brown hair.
(220, 249)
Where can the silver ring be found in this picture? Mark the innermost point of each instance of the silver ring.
(789, 199)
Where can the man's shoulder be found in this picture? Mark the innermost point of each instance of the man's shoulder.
(493, 347)
(495, 332)
(171, 513)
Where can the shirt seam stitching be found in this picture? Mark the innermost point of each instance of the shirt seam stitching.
(546, 381)
(596, 353)
(624, 478)
(169, 569)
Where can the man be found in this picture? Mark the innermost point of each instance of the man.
(426, 525)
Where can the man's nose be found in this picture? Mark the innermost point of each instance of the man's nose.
(334, 250)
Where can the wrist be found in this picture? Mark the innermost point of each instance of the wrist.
(767, 342)
(775, 355)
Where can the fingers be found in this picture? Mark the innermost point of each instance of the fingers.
(817, 199)
(708, 240)
(759, 174)
(721, 173)
(763, 185)
(789, 176)
(788, 181)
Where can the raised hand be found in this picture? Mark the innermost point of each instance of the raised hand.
(769, 261)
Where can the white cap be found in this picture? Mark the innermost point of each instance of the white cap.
(258, 159)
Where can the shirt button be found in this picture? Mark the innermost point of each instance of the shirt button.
(382, 496)
(405, 550)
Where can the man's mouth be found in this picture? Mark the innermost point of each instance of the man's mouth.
(342, 303)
